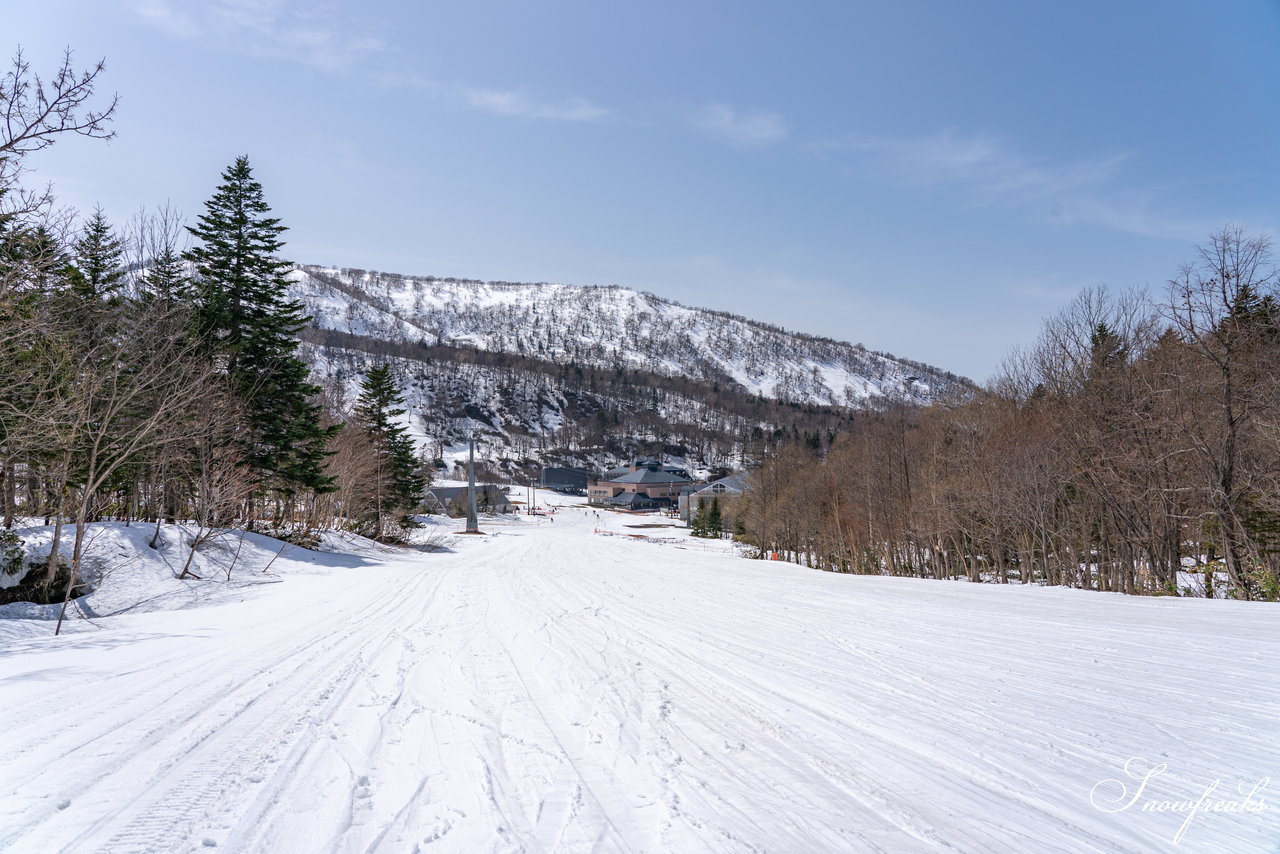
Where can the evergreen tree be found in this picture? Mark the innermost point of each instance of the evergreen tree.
(245, 315)
(399, 481)
(166, 279)
(31, 264)
(698, 524)
(715, 522)
(99, 262)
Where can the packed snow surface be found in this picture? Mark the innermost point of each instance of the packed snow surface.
(551, 686)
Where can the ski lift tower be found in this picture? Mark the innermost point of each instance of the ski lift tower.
(472, 525)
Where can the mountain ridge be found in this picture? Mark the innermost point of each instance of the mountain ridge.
(608, 325)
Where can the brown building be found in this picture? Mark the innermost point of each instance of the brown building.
(647, 486)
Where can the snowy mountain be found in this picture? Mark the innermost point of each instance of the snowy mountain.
(611, 327)
(585, 375)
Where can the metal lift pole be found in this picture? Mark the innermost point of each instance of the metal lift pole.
(472, 525)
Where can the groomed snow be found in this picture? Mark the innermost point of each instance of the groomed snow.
(549, 688)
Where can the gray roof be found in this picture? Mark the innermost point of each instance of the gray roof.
(733, 483)
(564, 476)
(647, 476)
(614, 474)
(624, 499)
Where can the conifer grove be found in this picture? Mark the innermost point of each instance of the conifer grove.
(152, 376)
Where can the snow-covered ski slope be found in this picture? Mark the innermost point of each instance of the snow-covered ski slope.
(613, 326)
(548, 688)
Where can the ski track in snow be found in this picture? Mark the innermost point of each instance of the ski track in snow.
(546, 689)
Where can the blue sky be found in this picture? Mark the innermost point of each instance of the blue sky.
(927, 178)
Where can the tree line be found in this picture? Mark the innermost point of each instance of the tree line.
(1134, 447)
(153, 375)
(607, 412)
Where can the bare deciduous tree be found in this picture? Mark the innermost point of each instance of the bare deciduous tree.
(35, 111)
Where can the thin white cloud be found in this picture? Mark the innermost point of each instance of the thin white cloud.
(262, 16)
(328, 48)
(993, 171)
(742, 128)
(514, 103)
(265, 27)
(1133, 213)
(982, 162)
(163, 16)
(300, 32)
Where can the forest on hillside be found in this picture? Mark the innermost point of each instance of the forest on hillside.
(528, 411)
(1135, 447)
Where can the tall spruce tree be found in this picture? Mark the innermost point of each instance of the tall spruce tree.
(398, 482)
(99, 263)
(715, 521)
(245, 315)
(698, 524)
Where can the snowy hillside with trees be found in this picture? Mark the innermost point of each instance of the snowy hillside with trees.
(613, 327)
(526, 412)
(589, 375)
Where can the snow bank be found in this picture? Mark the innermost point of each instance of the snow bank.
(127, 575)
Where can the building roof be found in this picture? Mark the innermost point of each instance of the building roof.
(625, 499)
(733, 483)
(616, 474)
(650, 476)
(563, 477)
